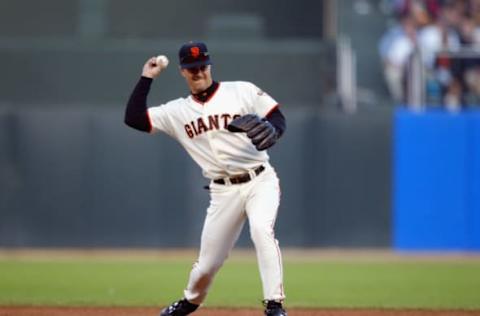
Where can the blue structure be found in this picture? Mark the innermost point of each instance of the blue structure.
(436, 202)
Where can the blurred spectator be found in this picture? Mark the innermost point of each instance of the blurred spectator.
(472, 82)
(474, 10)
(440, 35)
(422, 11)
(469, 32)
(438, 29)
(398, 43)
(396, 46)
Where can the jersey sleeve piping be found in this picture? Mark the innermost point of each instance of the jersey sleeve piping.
(276, 106)
(152, 129)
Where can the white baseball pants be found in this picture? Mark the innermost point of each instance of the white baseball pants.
(230, 206)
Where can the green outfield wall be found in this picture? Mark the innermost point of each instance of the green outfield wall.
(80, 178)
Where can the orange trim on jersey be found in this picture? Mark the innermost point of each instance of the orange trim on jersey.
(150, 122)
(272, 109)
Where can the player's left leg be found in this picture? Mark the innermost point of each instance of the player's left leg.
(261, 208)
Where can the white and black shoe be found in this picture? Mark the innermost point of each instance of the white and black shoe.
(274, 308)
(179, 308)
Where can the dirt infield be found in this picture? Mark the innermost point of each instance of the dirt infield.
(131, 311)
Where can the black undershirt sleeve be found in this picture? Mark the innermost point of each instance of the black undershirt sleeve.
(277, 119)
(136, 113)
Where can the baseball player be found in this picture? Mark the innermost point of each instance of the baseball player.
(226, 128)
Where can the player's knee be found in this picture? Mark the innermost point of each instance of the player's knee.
(260, 233)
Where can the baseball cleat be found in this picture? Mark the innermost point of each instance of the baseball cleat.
(273, 308)
(179, 308)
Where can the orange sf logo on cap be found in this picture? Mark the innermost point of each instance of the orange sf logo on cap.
(195, 51)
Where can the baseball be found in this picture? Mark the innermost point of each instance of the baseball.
(162, 61)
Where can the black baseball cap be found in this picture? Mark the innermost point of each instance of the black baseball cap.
(193, 54)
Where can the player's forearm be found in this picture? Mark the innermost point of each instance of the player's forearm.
(277, 119)
(136, 113)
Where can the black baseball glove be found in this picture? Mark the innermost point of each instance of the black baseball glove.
(262, 133)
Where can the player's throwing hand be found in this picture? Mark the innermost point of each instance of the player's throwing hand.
(152, 69)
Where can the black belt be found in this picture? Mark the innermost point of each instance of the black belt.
(241, 178)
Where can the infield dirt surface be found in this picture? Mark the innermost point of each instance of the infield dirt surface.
(151, 311)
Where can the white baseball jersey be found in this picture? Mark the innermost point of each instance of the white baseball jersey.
(201, 128)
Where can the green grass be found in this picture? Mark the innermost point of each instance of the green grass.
(313, 283)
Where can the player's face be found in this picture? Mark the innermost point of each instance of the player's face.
(198, 79)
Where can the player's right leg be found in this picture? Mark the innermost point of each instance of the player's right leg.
(221, 229)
